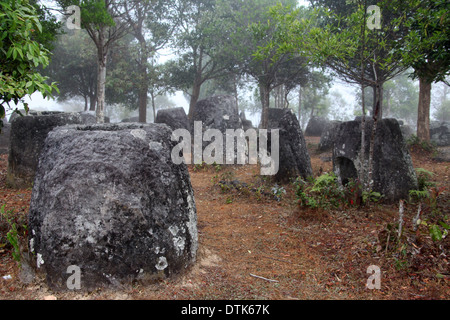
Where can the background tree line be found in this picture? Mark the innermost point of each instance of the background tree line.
(267, 53)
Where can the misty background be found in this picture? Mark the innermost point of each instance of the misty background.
(339, 101)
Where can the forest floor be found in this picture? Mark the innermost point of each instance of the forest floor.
(252, 246)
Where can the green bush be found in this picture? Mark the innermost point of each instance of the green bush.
(326, 192)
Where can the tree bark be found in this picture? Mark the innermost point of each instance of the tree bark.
(92, 101)
(102, 55)
(378, 94)
(264, 92)
(300, 104)
(101, 88)
(423, 116)
(194, 97)
(152, 96)
(85, 103)
(235, 89)
(143, 99)
(143, 76)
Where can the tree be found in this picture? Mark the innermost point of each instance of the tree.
(401, 98)
(257, 30)
(103, 22)
(74, 67)
(425, 48)
(345, 40)
(51, 27)
(20, 55)
(153, 23)
(441, 102)
(381, 63)
(201, 45)
(314, 92)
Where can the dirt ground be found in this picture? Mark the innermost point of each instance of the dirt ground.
(252, 246)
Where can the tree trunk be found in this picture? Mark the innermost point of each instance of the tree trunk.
(300, 104)
(92, 102)
(264, 92)
(143, 76)
(235, 89)
(102, 52)
(194, 97)
(85, 103)
(152, 97)
(362, 172)
(101, 90)
(423, 116)
(378, 93)
(143, 98)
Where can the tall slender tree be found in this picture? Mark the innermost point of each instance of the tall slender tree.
(201, 46)
(425, 48)
(153, 23)
(73, 66)
(103, 21)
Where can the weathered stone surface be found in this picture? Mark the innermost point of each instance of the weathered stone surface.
(175, 118)
(108, 199)
(407, 131)
(393, 171)
(129, 120)
(316, 126)
(246, 124)
(15, 115)
(328, 135)
(294, 157)
(89, 117)
(218, 112)
(440, 133)
(4, 137)
(28, 135)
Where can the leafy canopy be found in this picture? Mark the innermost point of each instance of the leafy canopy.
(20, 55)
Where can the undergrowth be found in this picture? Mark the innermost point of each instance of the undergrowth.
(325, 192)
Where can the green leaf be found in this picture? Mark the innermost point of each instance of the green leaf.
(444, 225)
(435, 233)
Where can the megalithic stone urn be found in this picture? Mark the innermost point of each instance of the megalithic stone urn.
(108, 200)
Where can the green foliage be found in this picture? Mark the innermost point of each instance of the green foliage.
(419, 195)
(426, 46)
(401, 98)
(94, 13)
(278, 192)
(13, 231)
(424, 183)
(51, 27)
(14, 240)
(371, 196)
(74, 67)
(424, 178)
(325, 192)
(20, 55)
(414, 142)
